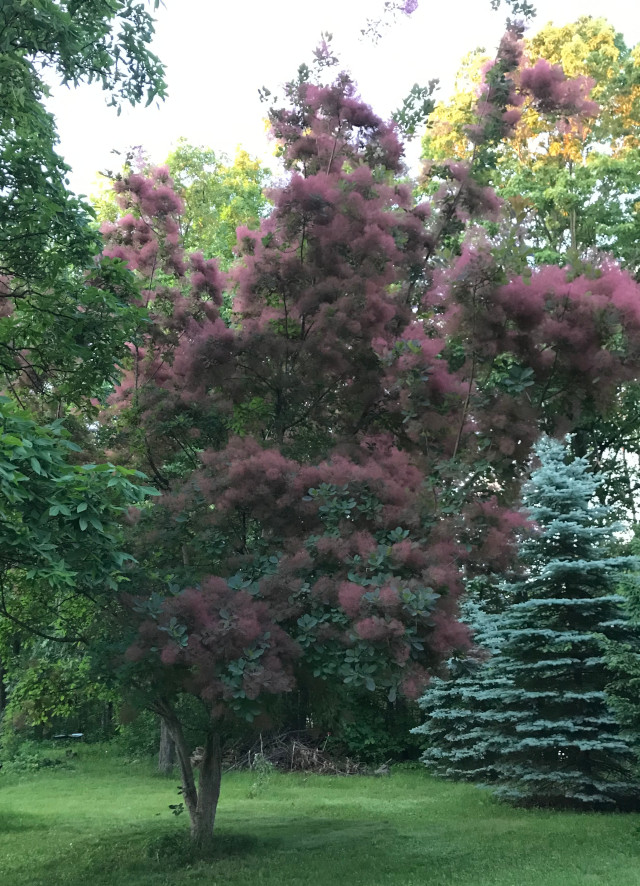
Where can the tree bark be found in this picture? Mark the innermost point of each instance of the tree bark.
(201, 801)
(202, 822)
(166, 751)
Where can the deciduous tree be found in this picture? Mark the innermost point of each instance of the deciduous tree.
(64, 315)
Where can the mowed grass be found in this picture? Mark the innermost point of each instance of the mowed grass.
(107, 823)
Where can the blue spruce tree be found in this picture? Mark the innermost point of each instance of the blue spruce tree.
(535, 720)
(462, 708)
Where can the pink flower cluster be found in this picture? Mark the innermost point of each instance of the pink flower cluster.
(553, 92)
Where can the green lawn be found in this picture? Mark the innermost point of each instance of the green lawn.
(107, 823)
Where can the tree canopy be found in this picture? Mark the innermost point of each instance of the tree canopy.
(569, 183)
(65, 316)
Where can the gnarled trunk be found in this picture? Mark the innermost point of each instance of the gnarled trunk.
(201, 801)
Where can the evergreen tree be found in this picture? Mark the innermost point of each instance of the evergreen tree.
(623, 658)
(536, 720)
(460, 706)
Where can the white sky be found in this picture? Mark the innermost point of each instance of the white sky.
(218, 54)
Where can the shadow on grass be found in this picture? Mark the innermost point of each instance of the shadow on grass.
(157, 855)
(10, 823)
(317, 833)
(142, 855)
(175, 849)
(316, 850)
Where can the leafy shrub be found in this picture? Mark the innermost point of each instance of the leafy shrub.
(20, 756)
(374, 731)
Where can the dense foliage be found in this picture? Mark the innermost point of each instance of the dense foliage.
(63, 317)
(218, 195)
(62, 558)
(569, 186)
(49, 504)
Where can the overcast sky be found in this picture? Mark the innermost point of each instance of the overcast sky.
(218, 54)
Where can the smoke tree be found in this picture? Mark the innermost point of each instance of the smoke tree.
(571, 183)
(336, 456)
(570, 188)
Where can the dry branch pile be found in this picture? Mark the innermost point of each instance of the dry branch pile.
(292, 752)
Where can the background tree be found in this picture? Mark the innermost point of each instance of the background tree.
(52, 691)
(64, 316)
(542, 728)
(218, 196)
(570, 185)
(581, 181)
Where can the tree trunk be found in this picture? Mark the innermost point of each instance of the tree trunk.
(201, 802)
(166, 751)
(203, 820)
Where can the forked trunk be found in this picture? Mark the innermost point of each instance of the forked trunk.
(201, 801)
(203, 819)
